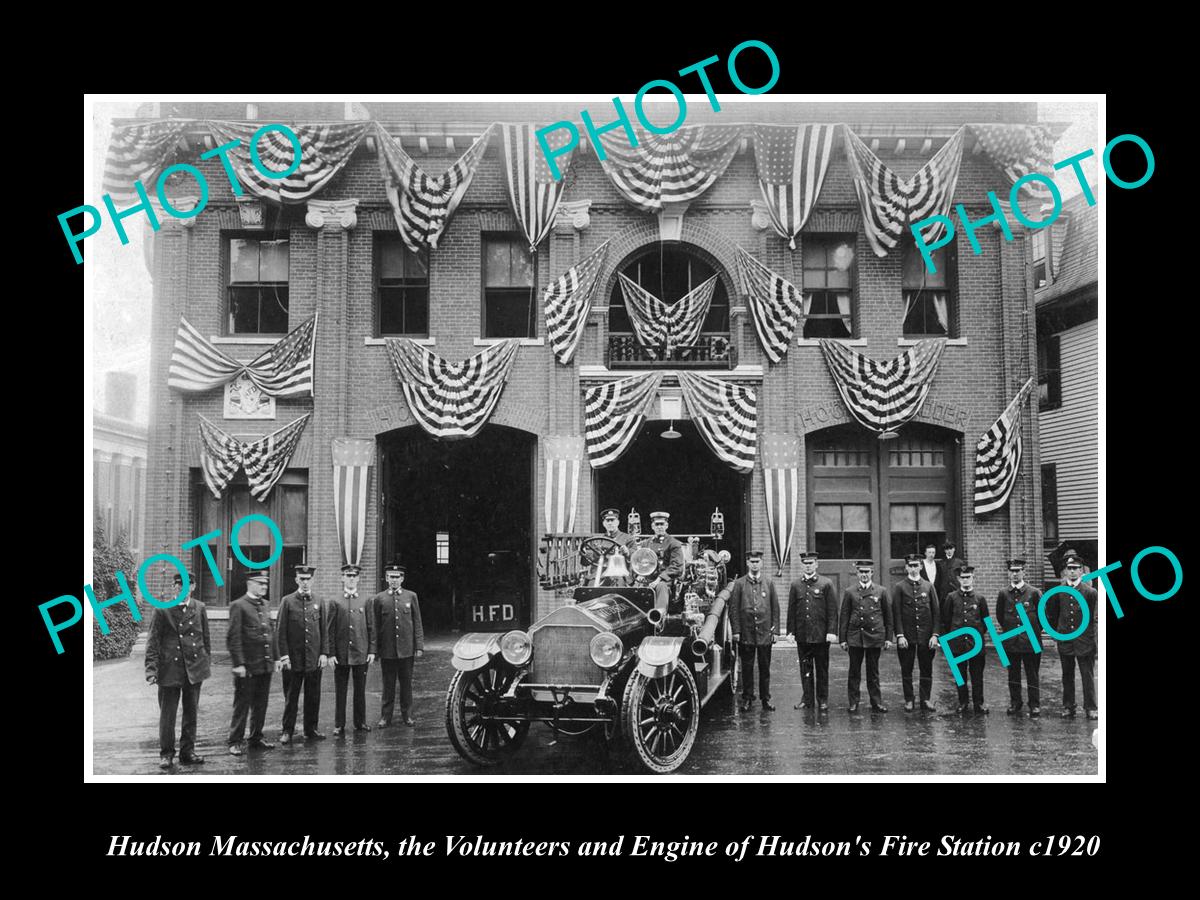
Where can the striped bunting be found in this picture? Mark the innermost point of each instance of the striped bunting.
(564, 458)
(283, 370)
(726, 415)
(775, 305)
(569, 300)
(422, 204)
(532, 190)
(140, 153)
(613, 412)
(791, 161)
(662, 328)
(451, 400)
(781, 479)
(1018, 150)
(889, 202)
(324, 150)
(883, 396)
(352, 461)
(998, 456)
(264, 459)
(668, 168)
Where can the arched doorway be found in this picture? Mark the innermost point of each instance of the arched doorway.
(459, 516)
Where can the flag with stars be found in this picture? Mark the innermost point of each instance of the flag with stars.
(564, 459)
(791, 161)
(140, 153)
(883, 394)
(533, 193)
(775, 305)
(781, 479)
(998, 456)
(264, 458)
(1019, 150)
(668, 168)
(725, 414)
(285, 369)
(352, 461)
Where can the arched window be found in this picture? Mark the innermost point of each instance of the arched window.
(670, 272)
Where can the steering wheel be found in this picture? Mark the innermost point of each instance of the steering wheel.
(592, 549)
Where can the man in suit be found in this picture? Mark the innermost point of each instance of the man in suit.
(1065, 613)
(352, 638)
(812, 617)
(930, 564)
(916, 619)
(178, 659)
(400, 639)
(754, 618)
(947, 571)
(964, 608)
(250, 641)
(670, 558)
(304, 651)
(864, 629)
(1019, 648)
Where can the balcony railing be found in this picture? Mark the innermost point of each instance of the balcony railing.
(711, 351)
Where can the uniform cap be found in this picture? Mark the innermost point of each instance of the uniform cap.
(809, 556)
(305, 570)
(1073, 560)
(178, 579)
(864, 564)
(615, 513)
(913, 558)
(754, 554)
(394, 569)
(1016, 564)
(665, 516)
(260, 577)
(965, 570)
(351, 569)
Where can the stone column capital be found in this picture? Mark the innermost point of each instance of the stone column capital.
(342, 213)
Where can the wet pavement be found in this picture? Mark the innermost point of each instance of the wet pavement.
(730, 742)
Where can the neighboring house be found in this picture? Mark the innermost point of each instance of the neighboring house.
(119, 445)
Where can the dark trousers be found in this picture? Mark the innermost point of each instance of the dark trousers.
(855, 676)
(393, 669)
(972, 672)
(748, 653)
(924, 657)
(1087, 673)
(250, 696)
(168, 706)
(341, 681)
(814, 657)
(293, 683)
(1033, 665)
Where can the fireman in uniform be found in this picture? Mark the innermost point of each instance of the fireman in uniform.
(1065, 613)
(964, 608)
(754, 618)
(304, 651)
(813, 618)
(250, 642)
(1019, 648)
(400, 639)
(864, 629)
(611, 520)
(670, 557)
(352, 643)
(917, 619)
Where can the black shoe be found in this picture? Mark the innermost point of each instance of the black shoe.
(928, 707)
(191, 759)
(1067, 713)
(908, 706)
(824, 707)
(408, 720)
(237, 749)
(1013, 710)
(1035, 712)
(339, 731)
(262, 745)
(803, 704)
(878, 707)
(315, 736)
(981, 710)
(747, 704)
(362, 727)
(961, 710)
(382, 723)
(285, 738)
(166, 762)
(1093, 714)
(853, 707)
(768, 706)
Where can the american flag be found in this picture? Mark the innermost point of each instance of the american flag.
(726, 414)
(613, 413)
(264, 459)
(324, 150)
(283, 370)
(140, 153)
(564, 458)
(532, 190)
(883, 395)
(781, 480)
(668, 168)
(889, 202)
(775, 305)
(791, 161)
(352, 461)
(451, 400)
(569, 300)
(1018, 150)
(998, 456)
(423, 204)
(663, 327)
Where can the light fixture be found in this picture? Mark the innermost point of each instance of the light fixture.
(888, 435)
(670, 434)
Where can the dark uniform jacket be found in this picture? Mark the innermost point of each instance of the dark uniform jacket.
(178, 650)
(398, 631)
(812, 610)
(251, 635)
(1007, 617)
(302, 629)
(915, 613)
(753, 610)
(670, 557)
(947, 581)
(866, 616)
(964, 610)
(621, 538)
(352, 629)
(1064, 613)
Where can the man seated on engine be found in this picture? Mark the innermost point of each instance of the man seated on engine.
(611, 519)
(670, 559)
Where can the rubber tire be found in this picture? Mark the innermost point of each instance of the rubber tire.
(635, 690)
(467, 748)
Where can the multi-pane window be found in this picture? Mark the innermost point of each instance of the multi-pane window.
(916, 453)
(258, 286)
(928, 296)
(509, 302)
(1049, 372)
(670, 274)
(1050, 505)
(913, 525)
(1041, 270)
(841, 456)
(402, 288)
(843, 530)
(443, 548)
(828, 286)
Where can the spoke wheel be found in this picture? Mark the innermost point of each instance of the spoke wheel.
(470, 698)
(660, 718)
(729, 688)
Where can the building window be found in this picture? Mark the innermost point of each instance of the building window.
(828, 286)
(913, 525)
(670, 273)
(1041, 270)
(443, 548)
(258, 286)
(1050, 505)
(401, 289)
(916, 453)
(928, 296)
(1049, 373)
(843, 530)
(508, 288)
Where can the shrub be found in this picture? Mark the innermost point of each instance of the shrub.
(107, 560)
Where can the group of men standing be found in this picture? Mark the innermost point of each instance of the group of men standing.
(309, 635)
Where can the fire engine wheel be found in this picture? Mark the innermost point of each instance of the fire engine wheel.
(660, 718)
(468, 700)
